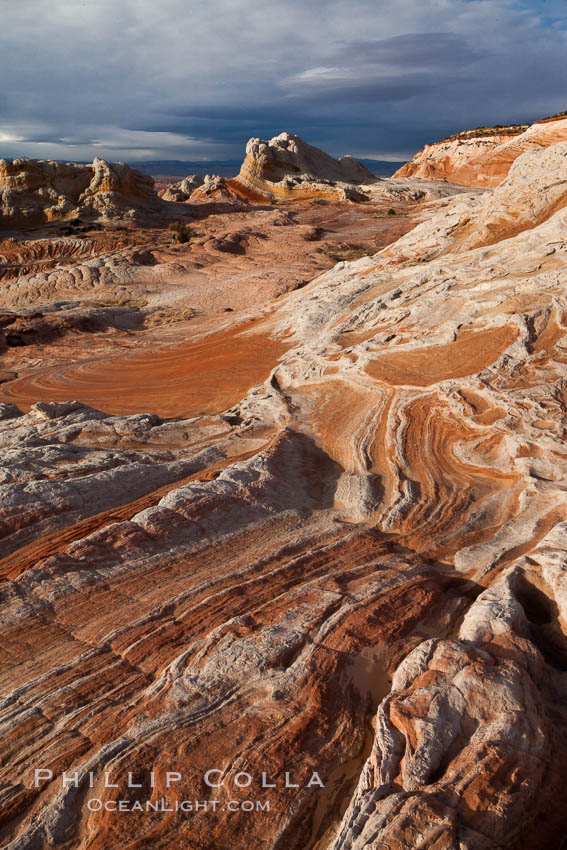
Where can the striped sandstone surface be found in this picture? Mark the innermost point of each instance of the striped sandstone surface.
(341, 551)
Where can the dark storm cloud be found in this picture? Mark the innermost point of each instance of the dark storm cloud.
(187, 80)
(363, 89)
(414, 50)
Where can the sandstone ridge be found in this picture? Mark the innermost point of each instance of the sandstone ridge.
(482, 158)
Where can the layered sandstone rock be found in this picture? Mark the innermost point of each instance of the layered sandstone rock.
(534, 190)
(212, 186)
(182, 190)
(345, 557)
(449, 766)
(37, 191)
(286, 166)
(482, 158)
(198, 188)
(455, 156)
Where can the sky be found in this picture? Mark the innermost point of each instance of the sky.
(195, 79)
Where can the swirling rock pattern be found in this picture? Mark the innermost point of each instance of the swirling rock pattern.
(355, 569)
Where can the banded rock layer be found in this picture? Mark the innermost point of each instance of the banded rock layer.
(357, 567)
(482, 160)
(288, 167)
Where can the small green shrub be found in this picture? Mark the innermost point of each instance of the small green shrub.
(391, 211)
(184, 234)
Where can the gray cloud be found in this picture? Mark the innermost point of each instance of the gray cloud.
(413, 50)
(190, 79)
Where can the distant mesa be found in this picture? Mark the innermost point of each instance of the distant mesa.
(38, 191)
(483, 157)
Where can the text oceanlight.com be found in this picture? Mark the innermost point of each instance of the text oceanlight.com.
(95, 804)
